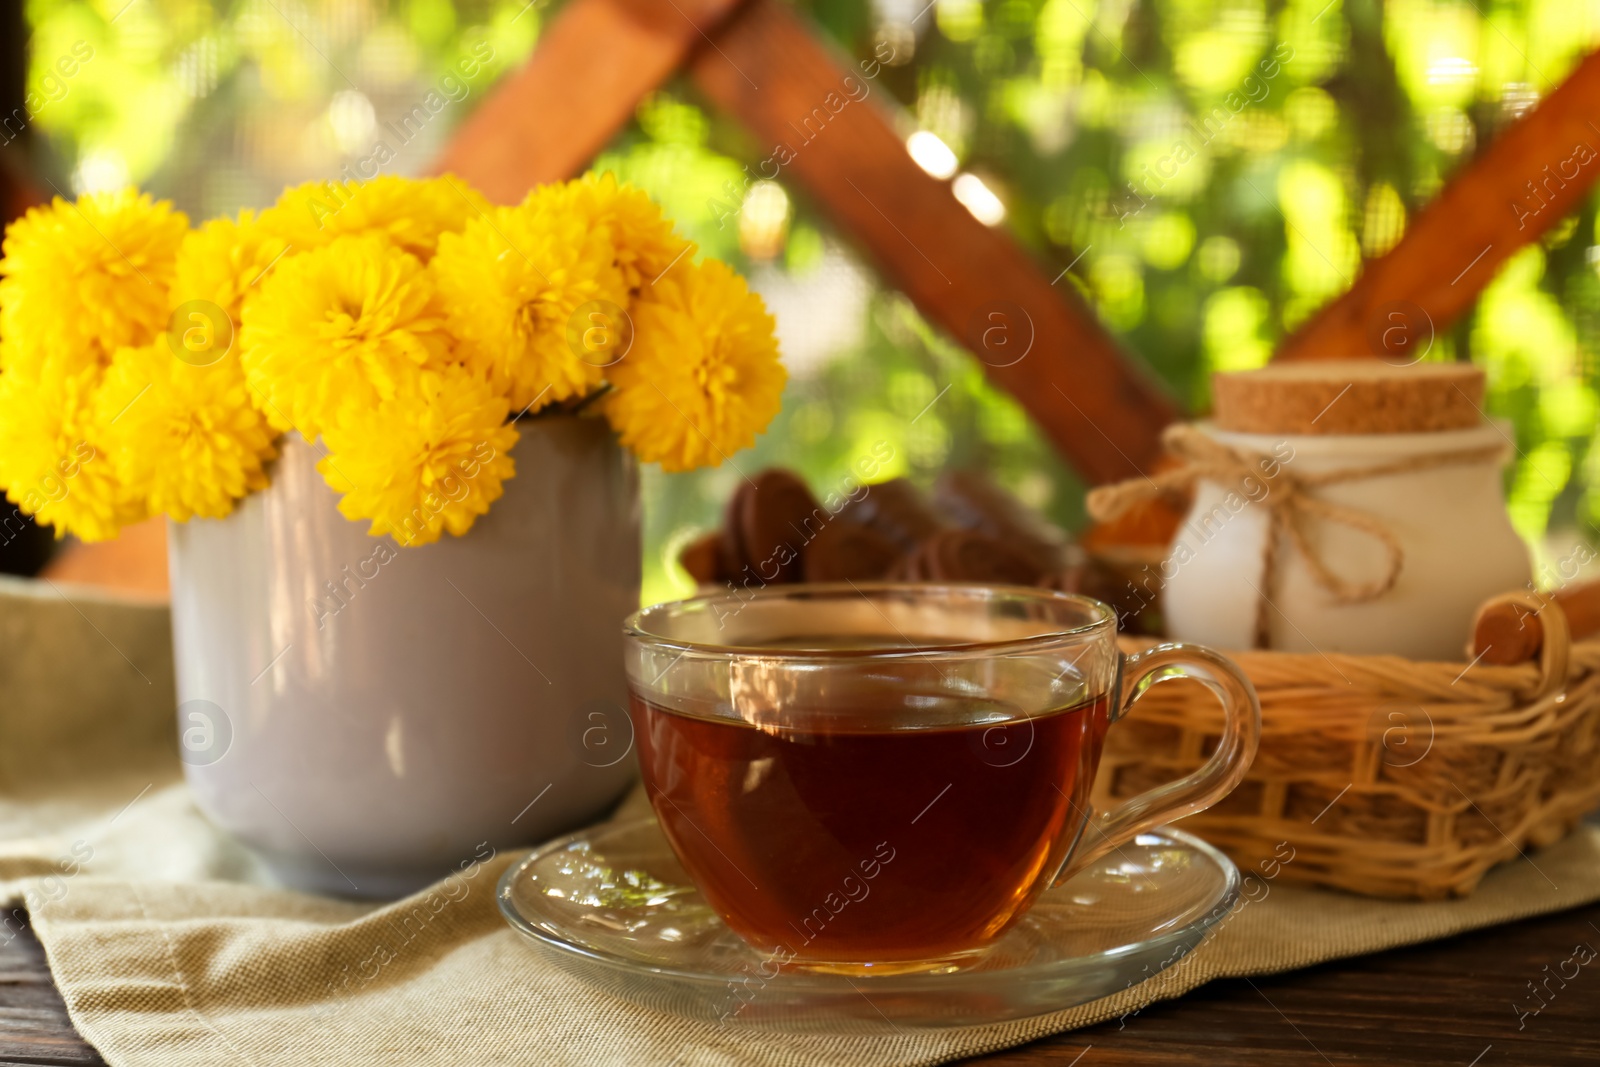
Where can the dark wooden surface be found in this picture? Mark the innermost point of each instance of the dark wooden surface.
(34, 1027)
(1448, 1002)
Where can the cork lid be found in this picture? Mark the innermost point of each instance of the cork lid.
(1365, 396)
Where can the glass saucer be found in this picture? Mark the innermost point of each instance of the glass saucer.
(612, 905)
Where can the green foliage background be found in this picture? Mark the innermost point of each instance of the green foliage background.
(1056, 105)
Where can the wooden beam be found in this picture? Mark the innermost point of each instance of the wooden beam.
(1038, 340)
(1526, 181)
(591, 68)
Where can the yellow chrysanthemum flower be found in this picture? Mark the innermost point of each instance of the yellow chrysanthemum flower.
(183, 437)
(17, 357)
(337, 330)
(401, 321)
(81, 280)
(50, 465)
(223, 260)
(643, 238)
(703, 376)
(434, 460)
(512, 281)
(412, 213)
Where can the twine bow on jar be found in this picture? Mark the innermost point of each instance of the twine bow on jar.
(1290, 501)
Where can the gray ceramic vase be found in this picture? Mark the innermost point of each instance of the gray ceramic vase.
(368, 717)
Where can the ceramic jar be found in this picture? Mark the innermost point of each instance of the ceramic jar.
(368, 717)
(1457, 547)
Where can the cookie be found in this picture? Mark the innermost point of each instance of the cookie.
(848, 551)
(731, 554)
(964, 556)
(975, 502)
(703, 559)
(898, 510)
(775, 516)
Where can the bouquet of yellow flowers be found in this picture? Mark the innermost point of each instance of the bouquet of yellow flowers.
(408, 325)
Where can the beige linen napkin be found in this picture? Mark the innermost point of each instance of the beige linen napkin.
(172, 948)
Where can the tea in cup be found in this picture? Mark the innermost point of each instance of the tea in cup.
(871, 778)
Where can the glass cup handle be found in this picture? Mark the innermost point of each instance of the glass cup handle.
(1241, 734)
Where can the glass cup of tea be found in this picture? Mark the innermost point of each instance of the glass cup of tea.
(883, 778)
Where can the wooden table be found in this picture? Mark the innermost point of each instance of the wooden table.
(1447, 1002)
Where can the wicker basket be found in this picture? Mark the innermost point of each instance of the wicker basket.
(1386, 776)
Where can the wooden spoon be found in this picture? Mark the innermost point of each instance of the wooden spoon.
(1508, 634)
